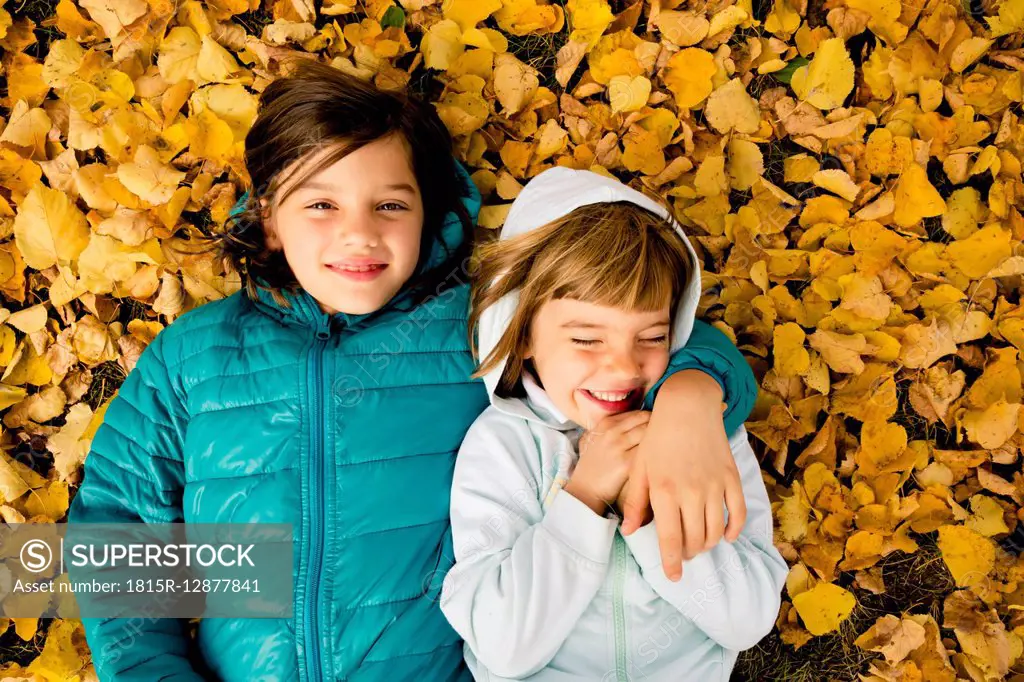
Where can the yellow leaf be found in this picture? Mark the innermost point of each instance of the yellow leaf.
(992, 426)
(149, 178)
(442, 45)
(179, 54)
(682, 28)
(92, 342)
(824, 607)
(783, 20)
(589, 19)
(515, 83)
(49, 229)
(828, 79)
(1010, 19)
(61, 658)
(884, 18)
(799, 168)
(727, 19)
(468, 13)
(883, 449)
(730, 108)
(791, 358)
(981, 252)
(923, 345)
(688, 76)
(71, 444)
(838, 182)
(214, 63)
(968, 52)
(969, 556)
(746, 164)
(628, 94)
(710, 178)
(114, 15)
(842, 352)
(893, 637)
(29, 320)
(964, 211)
(25, 627)
(986, 517)
(793, 515)
(520, 17)
(50, 501)
(209, 137)
(76, 27)
(27, 128)
(916, 197)
(642, 151)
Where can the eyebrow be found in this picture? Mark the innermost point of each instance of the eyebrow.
(402, 186)
(578, 324)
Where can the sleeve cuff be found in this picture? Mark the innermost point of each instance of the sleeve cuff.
(579, 528)
(643, 544)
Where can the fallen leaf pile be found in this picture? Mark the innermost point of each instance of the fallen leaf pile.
(850, 169)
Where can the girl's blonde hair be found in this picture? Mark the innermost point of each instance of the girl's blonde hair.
(615, 254)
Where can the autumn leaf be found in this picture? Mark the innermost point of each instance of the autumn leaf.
(827, 80)
(824, 607)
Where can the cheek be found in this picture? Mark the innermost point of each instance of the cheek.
(656, 364)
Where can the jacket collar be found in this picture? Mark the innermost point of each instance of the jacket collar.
(304, 310)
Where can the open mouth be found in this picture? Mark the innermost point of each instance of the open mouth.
(615, 401)
(359, 272)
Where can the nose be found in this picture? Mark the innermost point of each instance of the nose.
(623, 363)
(357, 230)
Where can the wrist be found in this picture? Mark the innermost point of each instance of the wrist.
(578, 489)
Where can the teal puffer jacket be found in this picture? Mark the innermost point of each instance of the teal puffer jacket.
(346, 426)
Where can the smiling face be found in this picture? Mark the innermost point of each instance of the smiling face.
(351, 232)
(595, 360)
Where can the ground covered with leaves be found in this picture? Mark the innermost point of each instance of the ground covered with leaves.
(851, 171)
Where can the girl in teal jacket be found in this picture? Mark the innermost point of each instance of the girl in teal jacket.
(332, 393)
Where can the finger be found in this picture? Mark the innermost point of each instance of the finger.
(624, 421)
(737, 508)
(670, 533)
(638, 497)
(629, 440)
(693, 525)
(714, 519)
(607, 424)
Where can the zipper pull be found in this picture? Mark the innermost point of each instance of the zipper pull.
(323, 334)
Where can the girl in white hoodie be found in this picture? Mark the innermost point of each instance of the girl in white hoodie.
(577, 307)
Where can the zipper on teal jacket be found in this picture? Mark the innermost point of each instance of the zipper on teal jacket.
(618, 609)
(311, 608)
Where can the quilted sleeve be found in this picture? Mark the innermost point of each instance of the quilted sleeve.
(134, 473)
(711, 352)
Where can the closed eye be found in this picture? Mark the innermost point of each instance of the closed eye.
(656, 340)
(586, 342)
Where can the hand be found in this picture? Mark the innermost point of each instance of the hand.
(620, 502)
(685, 469)
(606, 453)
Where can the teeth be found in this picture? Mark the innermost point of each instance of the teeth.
(609, 396)
(357, 268)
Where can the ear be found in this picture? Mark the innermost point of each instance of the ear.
(269, 227)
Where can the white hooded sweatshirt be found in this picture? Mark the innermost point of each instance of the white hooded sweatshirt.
(546, 590)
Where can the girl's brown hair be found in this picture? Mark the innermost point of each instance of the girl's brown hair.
(318, 108)
(614, 254)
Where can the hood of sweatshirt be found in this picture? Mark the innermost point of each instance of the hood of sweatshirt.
(546, 198)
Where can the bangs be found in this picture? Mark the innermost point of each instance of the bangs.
(618, 255)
